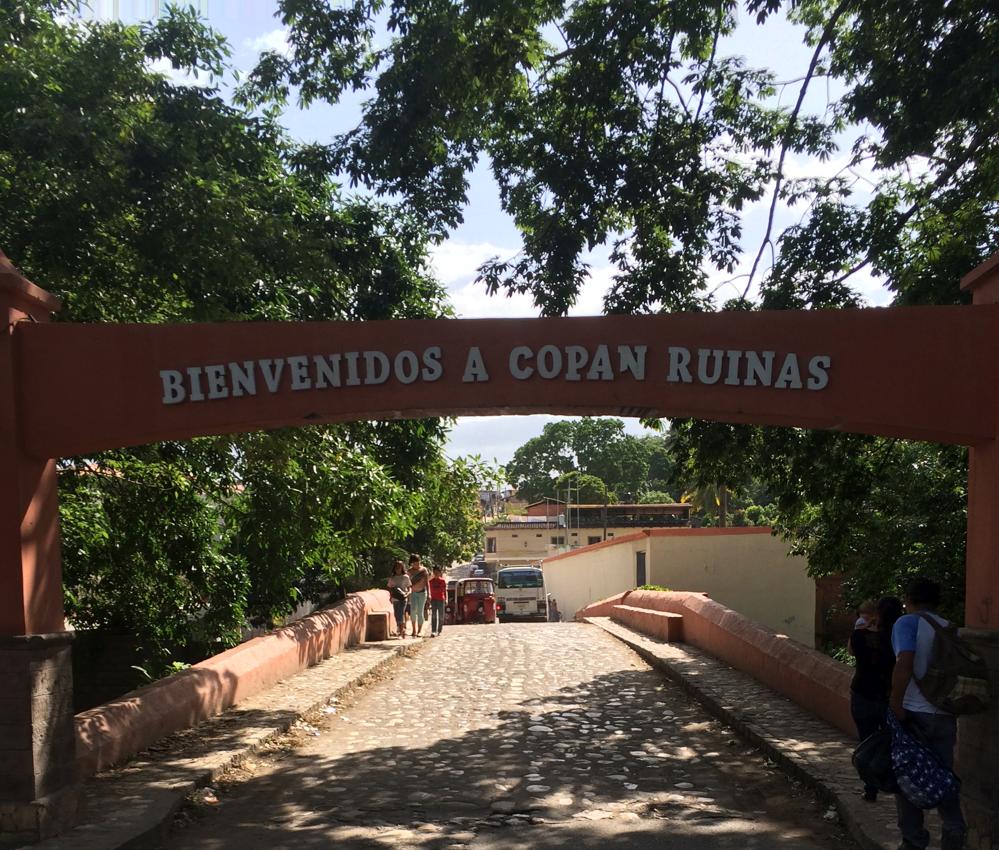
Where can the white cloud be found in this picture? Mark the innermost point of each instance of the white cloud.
(455, 264)
(275, 41)
(496, 438)
(472, 302)
(177, 76)
(871, 289)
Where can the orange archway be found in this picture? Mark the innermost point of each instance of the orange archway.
(926, 373)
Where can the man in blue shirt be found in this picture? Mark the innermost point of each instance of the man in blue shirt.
(912, 639)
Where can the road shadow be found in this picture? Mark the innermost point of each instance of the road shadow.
(623, 759)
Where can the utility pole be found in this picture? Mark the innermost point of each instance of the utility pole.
(605, 507)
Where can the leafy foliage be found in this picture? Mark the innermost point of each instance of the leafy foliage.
(880, 511)
(584, 489)
(137, 199)
(448, 521)
(623, 465)
(630, 126)
(141, 548)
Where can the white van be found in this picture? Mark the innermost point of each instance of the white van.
(520, 594)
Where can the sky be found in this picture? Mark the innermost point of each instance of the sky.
(251, 27)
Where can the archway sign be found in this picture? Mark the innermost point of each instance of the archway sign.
(924, 373)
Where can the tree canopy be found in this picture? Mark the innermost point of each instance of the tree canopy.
(594, 452)
(138, 199)
(637, 129)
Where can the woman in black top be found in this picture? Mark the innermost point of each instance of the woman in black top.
(871, 646)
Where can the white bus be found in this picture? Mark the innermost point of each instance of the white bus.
(520, 594)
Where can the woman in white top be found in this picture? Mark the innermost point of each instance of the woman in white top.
(399, 586)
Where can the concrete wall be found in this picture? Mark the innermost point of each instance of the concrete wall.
(747, 569)
(116, 730)
(814, 681)
(577, 578)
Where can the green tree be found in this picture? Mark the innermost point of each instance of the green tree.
(584, 489)
(448, 522)
(656, 497)
(594, 447)
(633, 127)
(136, 199)
(145, 548)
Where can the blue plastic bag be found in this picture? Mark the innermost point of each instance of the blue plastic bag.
(920, 776)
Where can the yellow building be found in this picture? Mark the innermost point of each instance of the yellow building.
(551, 528)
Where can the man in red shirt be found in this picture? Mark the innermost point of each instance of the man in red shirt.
(438, 599)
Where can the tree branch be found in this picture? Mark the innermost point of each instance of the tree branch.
(792, 120)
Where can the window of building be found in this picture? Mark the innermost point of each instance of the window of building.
(575, 534)
(539, 535)
(558, 541)
(515, 535)
(491, 544)
(591, 540)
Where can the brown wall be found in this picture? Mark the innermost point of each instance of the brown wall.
(833, 620)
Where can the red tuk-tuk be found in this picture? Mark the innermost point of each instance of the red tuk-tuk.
(471, 600)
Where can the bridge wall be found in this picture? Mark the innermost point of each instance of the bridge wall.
(811, 679)
(116, 730)
(580, 577)
(746, 568)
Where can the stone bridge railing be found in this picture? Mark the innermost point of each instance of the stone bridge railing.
(809, 678)
(112, 732)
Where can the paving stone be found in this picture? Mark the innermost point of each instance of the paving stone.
(814, 751)
(518, 724)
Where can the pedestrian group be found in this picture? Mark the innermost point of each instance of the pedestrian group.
(417, 595)
(893, 652)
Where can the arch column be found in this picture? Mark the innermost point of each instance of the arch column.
(978, 736)
(38, 787)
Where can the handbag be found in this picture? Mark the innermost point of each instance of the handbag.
(921, 777)
(872, 761)
(398, 594)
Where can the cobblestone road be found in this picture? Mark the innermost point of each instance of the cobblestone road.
(518, 735)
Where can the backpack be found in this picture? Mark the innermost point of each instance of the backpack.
(957, 677)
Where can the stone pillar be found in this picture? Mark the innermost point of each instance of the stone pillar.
(978, 754)
(978, 736)
(39, 792)
(38, 788)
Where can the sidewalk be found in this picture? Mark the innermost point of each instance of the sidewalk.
(132, 806)
(809, 749)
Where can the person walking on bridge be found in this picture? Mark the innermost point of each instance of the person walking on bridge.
(438, 601)
(399, 587)
(420, 577)
(912, 639)
(870, 644)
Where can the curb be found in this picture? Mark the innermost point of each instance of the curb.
(157, 833)
(150, 824)
(848, 810)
